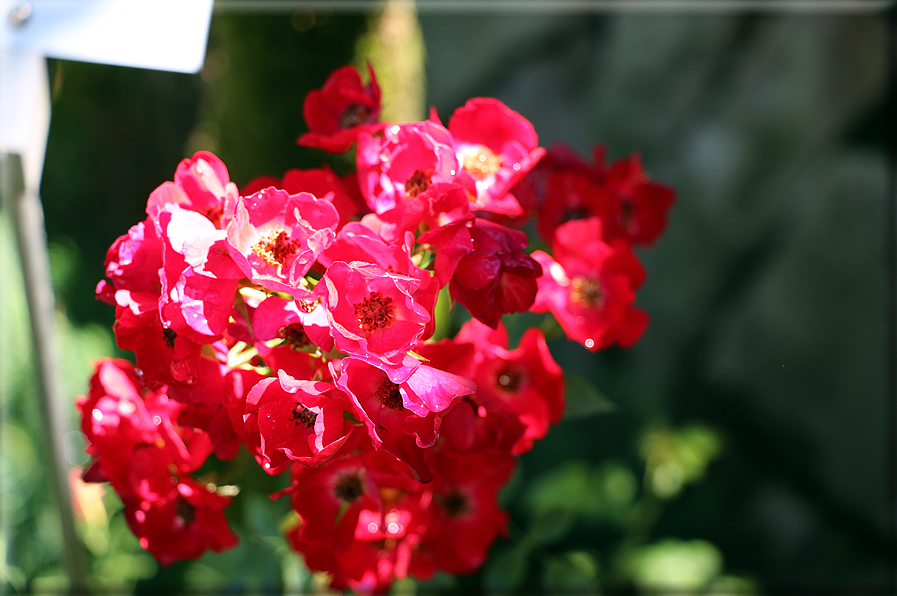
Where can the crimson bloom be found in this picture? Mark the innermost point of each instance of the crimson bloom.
(465, 515)
(403, 162)
(275, 237)
(632, 207)
(379, 403)
(489, 272)
(372, 311)
(201, 184)
(134, 435)
(321, 182)
(496, 147)
(300, 324)
(199, 278)
(590, 288)
(524, 382)
(643, 203)
(343, 107)
(183, 527)
(296, 419)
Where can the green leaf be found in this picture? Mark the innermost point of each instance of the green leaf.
(584, 399)
(506, 568)
(574, 572)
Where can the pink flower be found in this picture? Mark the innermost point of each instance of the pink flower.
(357, 242)
(496, 147)
(299, 323)
(380, 404)
(275, 237)
(404, 162)
(590, 288)
(322, 183)
(134, 259)
(339, 111)
(199, 279)
(372, 312)
(201, 184)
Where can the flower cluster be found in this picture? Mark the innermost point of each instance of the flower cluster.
(295, 318)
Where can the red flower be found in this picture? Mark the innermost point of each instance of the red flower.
(275, 237)
(379, 402)
(336, 113)
(321, 183)
(201, 184)
(357, 242)
(631, 206)
(643, 204)
(404, 162)
(360, 518)
(183, 527)
(490, 274)
(299, 420)
(591, 287)
(133, 261)
(372, 312)
(299, 325)
(525, 382)
(199, 278)
(496, 147)
(134, 434)
(465, 516)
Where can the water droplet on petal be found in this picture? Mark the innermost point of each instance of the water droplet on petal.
(590, 343)
(97, 414)
(393, 528)
(372, 527)
(157, 420)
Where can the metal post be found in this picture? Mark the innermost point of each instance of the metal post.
(28, 218)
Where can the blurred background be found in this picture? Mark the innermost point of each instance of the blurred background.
(749, 449)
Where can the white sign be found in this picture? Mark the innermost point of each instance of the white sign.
(157, 34)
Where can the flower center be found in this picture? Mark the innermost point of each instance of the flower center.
(626, 211)
(418, 182)
(509, 380)
(375, 312)
(169, 336)
(302, 415)
(348, 488)
(481, 162)
(276, 248)
(354, 115)
(295, 336)
(390, 395)
(213, 214)
(185, 511)
(454, 503)
(577, 212)
(586, 292)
